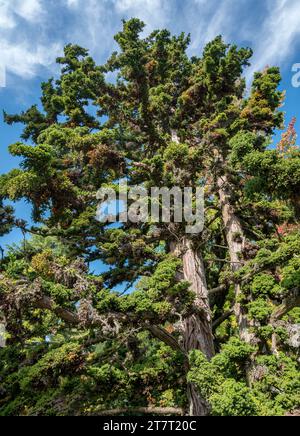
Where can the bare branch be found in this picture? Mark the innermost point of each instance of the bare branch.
(142, 165)
(45, 303)
(165, 337)
(222, 318)
(217, 290)
(289, 304)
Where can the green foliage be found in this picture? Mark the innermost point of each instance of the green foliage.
(70, 379)
(243, 144)
(235, 399)
(264, 285)
(260, 310)
(274, 387)
(219, 380)
(6, 218)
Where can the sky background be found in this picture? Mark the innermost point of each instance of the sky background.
(34, 32)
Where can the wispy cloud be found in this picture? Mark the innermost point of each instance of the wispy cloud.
(33, 32)
(275, 41)
(96, 21)
(156, 13)
(30, 10)
(11, 10)
(209, 19)
(21, 50)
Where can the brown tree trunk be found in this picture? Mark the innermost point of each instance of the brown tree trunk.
(236, 241)
(2, 332)
(197, 329)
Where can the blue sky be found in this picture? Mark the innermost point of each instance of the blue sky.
(34, 32)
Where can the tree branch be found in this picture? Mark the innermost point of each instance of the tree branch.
(289, 304)
(45, 303)
(143, 410)
(222, 318)
(217, 290)
(142, 165)
(165, 337)
(110, 322)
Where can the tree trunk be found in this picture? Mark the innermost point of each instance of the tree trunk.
(236, 241)
(2, 334)
(197, 329)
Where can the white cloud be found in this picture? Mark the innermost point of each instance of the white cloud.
(24, 60)
(275, 42)
(72, 3)
(212, 20)
(30, 10)
(156, 13)
(33, 32)
(10, 10)
(22, 51)
(93, 24)
(6, 16)
(99, 20)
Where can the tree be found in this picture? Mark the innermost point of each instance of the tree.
(213, 315)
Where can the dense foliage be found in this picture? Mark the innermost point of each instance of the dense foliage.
(194, 324)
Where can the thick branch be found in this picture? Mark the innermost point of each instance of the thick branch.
(164, 411)
(165, 337)
(222, 318)
(287, 306)
(142, 165)
(45, 303)
(111, 322)
(217, 290)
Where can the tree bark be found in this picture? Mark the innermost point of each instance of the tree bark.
(2, 335)
(236, 241)
(197, 329)
(165, 411)
(2, 330)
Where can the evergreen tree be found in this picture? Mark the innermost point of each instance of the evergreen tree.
(213, 323)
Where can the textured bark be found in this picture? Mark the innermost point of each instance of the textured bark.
(2, 335)
(197, 405)
(236, 241)
(197, 329)
(165, 411)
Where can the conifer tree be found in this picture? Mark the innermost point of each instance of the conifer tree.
(213, 322)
